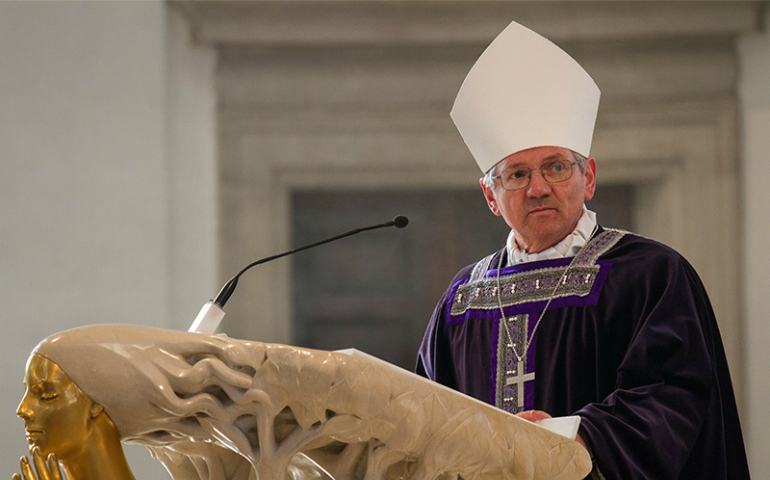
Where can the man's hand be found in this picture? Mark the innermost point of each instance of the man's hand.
(535, 415)
(45, 470)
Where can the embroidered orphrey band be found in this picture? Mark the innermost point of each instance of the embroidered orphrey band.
(509, 396)
(536, 285)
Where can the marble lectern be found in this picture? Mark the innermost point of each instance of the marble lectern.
(213, 408)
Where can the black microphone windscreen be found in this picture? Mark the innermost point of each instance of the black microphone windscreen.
(400, 221)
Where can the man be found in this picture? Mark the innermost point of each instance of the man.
(571, 318)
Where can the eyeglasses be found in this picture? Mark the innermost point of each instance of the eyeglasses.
(516, 178)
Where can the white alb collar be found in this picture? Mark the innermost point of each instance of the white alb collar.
(568, 247)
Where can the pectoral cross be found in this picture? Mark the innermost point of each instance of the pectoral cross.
(518, 380)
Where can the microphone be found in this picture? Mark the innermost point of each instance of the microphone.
(211, 314)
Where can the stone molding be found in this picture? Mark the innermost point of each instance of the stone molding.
(320, 22)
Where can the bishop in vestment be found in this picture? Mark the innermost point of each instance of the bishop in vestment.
(571, 318)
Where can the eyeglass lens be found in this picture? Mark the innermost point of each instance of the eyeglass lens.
(519, 177)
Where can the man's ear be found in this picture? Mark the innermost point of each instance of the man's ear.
(95, 410)
(590, 176)
(489, 195)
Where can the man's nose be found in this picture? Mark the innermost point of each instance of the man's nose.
(538, 185)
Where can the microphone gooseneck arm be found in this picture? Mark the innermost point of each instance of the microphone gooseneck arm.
(211, 314)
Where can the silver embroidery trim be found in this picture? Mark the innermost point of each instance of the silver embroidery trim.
(534, 285)
(480, 268)
(507, 396)
(599, 245)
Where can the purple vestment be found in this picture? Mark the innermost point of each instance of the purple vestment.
(629, 343)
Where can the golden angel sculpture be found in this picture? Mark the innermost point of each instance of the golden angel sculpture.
(213, 408)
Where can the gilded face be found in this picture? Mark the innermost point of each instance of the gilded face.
(542, 213)
(55, 411)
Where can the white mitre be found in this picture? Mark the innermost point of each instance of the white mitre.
(525, 92)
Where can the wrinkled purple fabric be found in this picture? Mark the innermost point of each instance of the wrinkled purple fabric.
(640, 360)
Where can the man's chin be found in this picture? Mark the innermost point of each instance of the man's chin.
(543, 222)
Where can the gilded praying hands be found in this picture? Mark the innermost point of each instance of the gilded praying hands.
(46, 469)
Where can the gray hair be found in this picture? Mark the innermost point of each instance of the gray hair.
(581, 161)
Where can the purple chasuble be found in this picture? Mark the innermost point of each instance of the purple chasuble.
(521, 292)
(629, 343)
